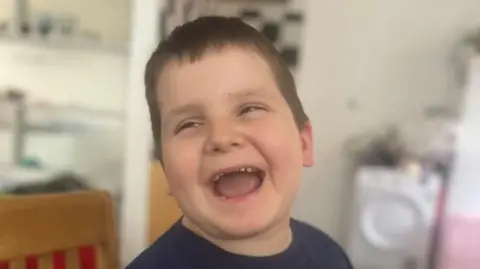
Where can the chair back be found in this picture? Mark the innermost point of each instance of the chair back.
(58, 231)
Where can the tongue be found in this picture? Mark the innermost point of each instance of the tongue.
(238, 184)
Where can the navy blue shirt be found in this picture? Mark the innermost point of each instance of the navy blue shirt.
(180, 248)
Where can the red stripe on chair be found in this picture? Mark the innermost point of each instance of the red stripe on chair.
(87, 257)
(4, 265)
(59, 260)
(31, 262)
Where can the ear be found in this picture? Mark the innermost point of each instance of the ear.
(307, 144)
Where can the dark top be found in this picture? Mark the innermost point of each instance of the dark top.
(180, 248)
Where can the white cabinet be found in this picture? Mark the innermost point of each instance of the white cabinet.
(6, 8)
(109, 19)
(70, 24)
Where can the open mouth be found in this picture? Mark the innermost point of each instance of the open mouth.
(238, 182)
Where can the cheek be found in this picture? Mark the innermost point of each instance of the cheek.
(280, 144)
(277, 133)
(180, 165)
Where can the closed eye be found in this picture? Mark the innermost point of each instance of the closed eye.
(250, 108)
(186, 125)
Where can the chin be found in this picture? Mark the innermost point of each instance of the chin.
(245, 227)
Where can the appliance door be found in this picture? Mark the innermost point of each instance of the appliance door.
(392, 222)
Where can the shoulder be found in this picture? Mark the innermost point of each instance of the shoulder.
(163, 253)
(320, 247)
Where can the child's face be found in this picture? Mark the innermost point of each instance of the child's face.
(222, 114)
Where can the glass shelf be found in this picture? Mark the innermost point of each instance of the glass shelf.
(65, 44)
(63, 119)
(66, 25)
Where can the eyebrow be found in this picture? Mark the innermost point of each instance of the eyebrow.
(182, 109)
(252, 92)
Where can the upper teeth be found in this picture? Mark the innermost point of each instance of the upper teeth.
(243, 169)
(248, 169)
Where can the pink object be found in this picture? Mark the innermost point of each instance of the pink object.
(461, 243)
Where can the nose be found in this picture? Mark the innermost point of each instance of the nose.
(223, 137)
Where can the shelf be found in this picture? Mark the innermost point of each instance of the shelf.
(75, 44)
(12, 175)
(56, 119)
(52, 128)
(76, 108)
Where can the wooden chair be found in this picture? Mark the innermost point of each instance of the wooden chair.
(163, 209)
(58, 231)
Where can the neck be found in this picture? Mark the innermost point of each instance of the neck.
(270, 242)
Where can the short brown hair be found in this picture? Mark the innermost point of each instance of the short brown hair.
(192, 40)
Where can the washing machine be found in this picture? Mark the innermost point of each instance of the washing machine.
(393, 219)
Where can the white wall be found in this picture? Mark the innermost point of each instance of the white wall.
(465, 189)
(392, 56)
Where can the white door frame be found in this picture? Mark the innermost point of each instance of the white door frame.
(144, 38)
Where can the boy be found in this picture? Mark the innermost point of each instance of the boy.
(233, 139)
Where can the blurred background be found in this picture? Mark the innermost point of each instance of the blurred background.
(392, 89)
